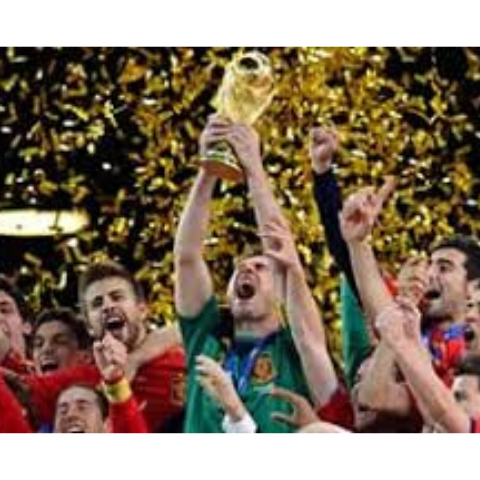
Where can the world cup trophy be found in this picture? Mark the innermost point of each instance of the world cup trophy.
(245, 92)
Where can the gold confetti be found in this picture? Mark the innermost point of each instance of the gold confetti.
(116, 131)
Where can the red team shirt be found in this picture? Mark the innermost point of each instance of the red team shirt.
(159, 388)
(475, 428)
(338, 410)
(123, 417)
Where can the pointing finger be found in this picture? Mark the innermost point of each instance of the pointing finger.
(386, 190)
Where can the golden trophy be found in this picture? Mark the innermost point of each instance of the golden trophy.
(245, 92)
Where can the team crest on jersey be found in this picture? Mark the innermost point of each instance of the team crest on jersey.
(178, 390)
(264, 370)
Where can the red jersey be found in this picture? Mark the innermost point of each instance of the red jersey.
(475, 426)
(12, 419)
(338, 410)
(126, 417)
(159, 387)
(447, 349)
(17, 364)
(45, 389)
(123, 417)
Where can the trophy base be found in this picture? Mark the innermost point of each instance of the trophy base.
(223, 164)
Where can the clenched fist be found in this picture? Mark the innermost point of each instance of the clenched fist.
(323, 144)
(111, 358)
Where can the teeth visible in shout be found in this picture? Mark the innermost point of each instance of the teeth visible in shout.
(114, 323)
(114, 319)
(245, 290)
(49, 365)
(432, 294)
(76, 429)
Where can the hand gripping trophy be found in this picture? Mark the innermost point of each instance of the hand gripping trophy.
(245, 92)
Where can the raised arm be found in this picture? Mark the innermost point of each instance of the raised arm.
(379, 389)
(193, 284)
(357, 337)
(246, 144)
(157, 343)
(111, 360)
(328, 198)
(303, 316)
(399, 326)
(358, 216)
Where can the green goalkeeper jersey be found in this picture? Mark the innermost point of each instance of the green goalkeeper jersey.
(256, 365)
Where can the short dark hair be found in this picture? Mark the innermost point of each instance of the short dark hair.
(470, 365)
(9, 288)
(468, 246)
(99, 395)
(107, 269)
(68, 317)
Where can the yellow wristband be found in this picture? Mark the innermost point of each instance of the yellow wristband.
(118, 392)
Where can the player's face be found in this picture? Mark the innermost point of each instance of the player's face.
(78, 411)
(111, 305)
(446, 295)
(251, 290)
(54, 346)
(11, 322)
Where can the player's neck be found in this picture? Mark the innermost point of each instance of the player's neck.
(139, 338)
(256, 328)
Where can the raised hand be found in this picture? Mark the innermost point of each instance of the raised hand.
(400, 323)
(242, 138)
(303, 413)
(215, 131)
(412, 318)
(219, 386)
(246, 144)
(281, 246)
(362, 209)
(413, 279)
(111, 358)
(323, 145)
